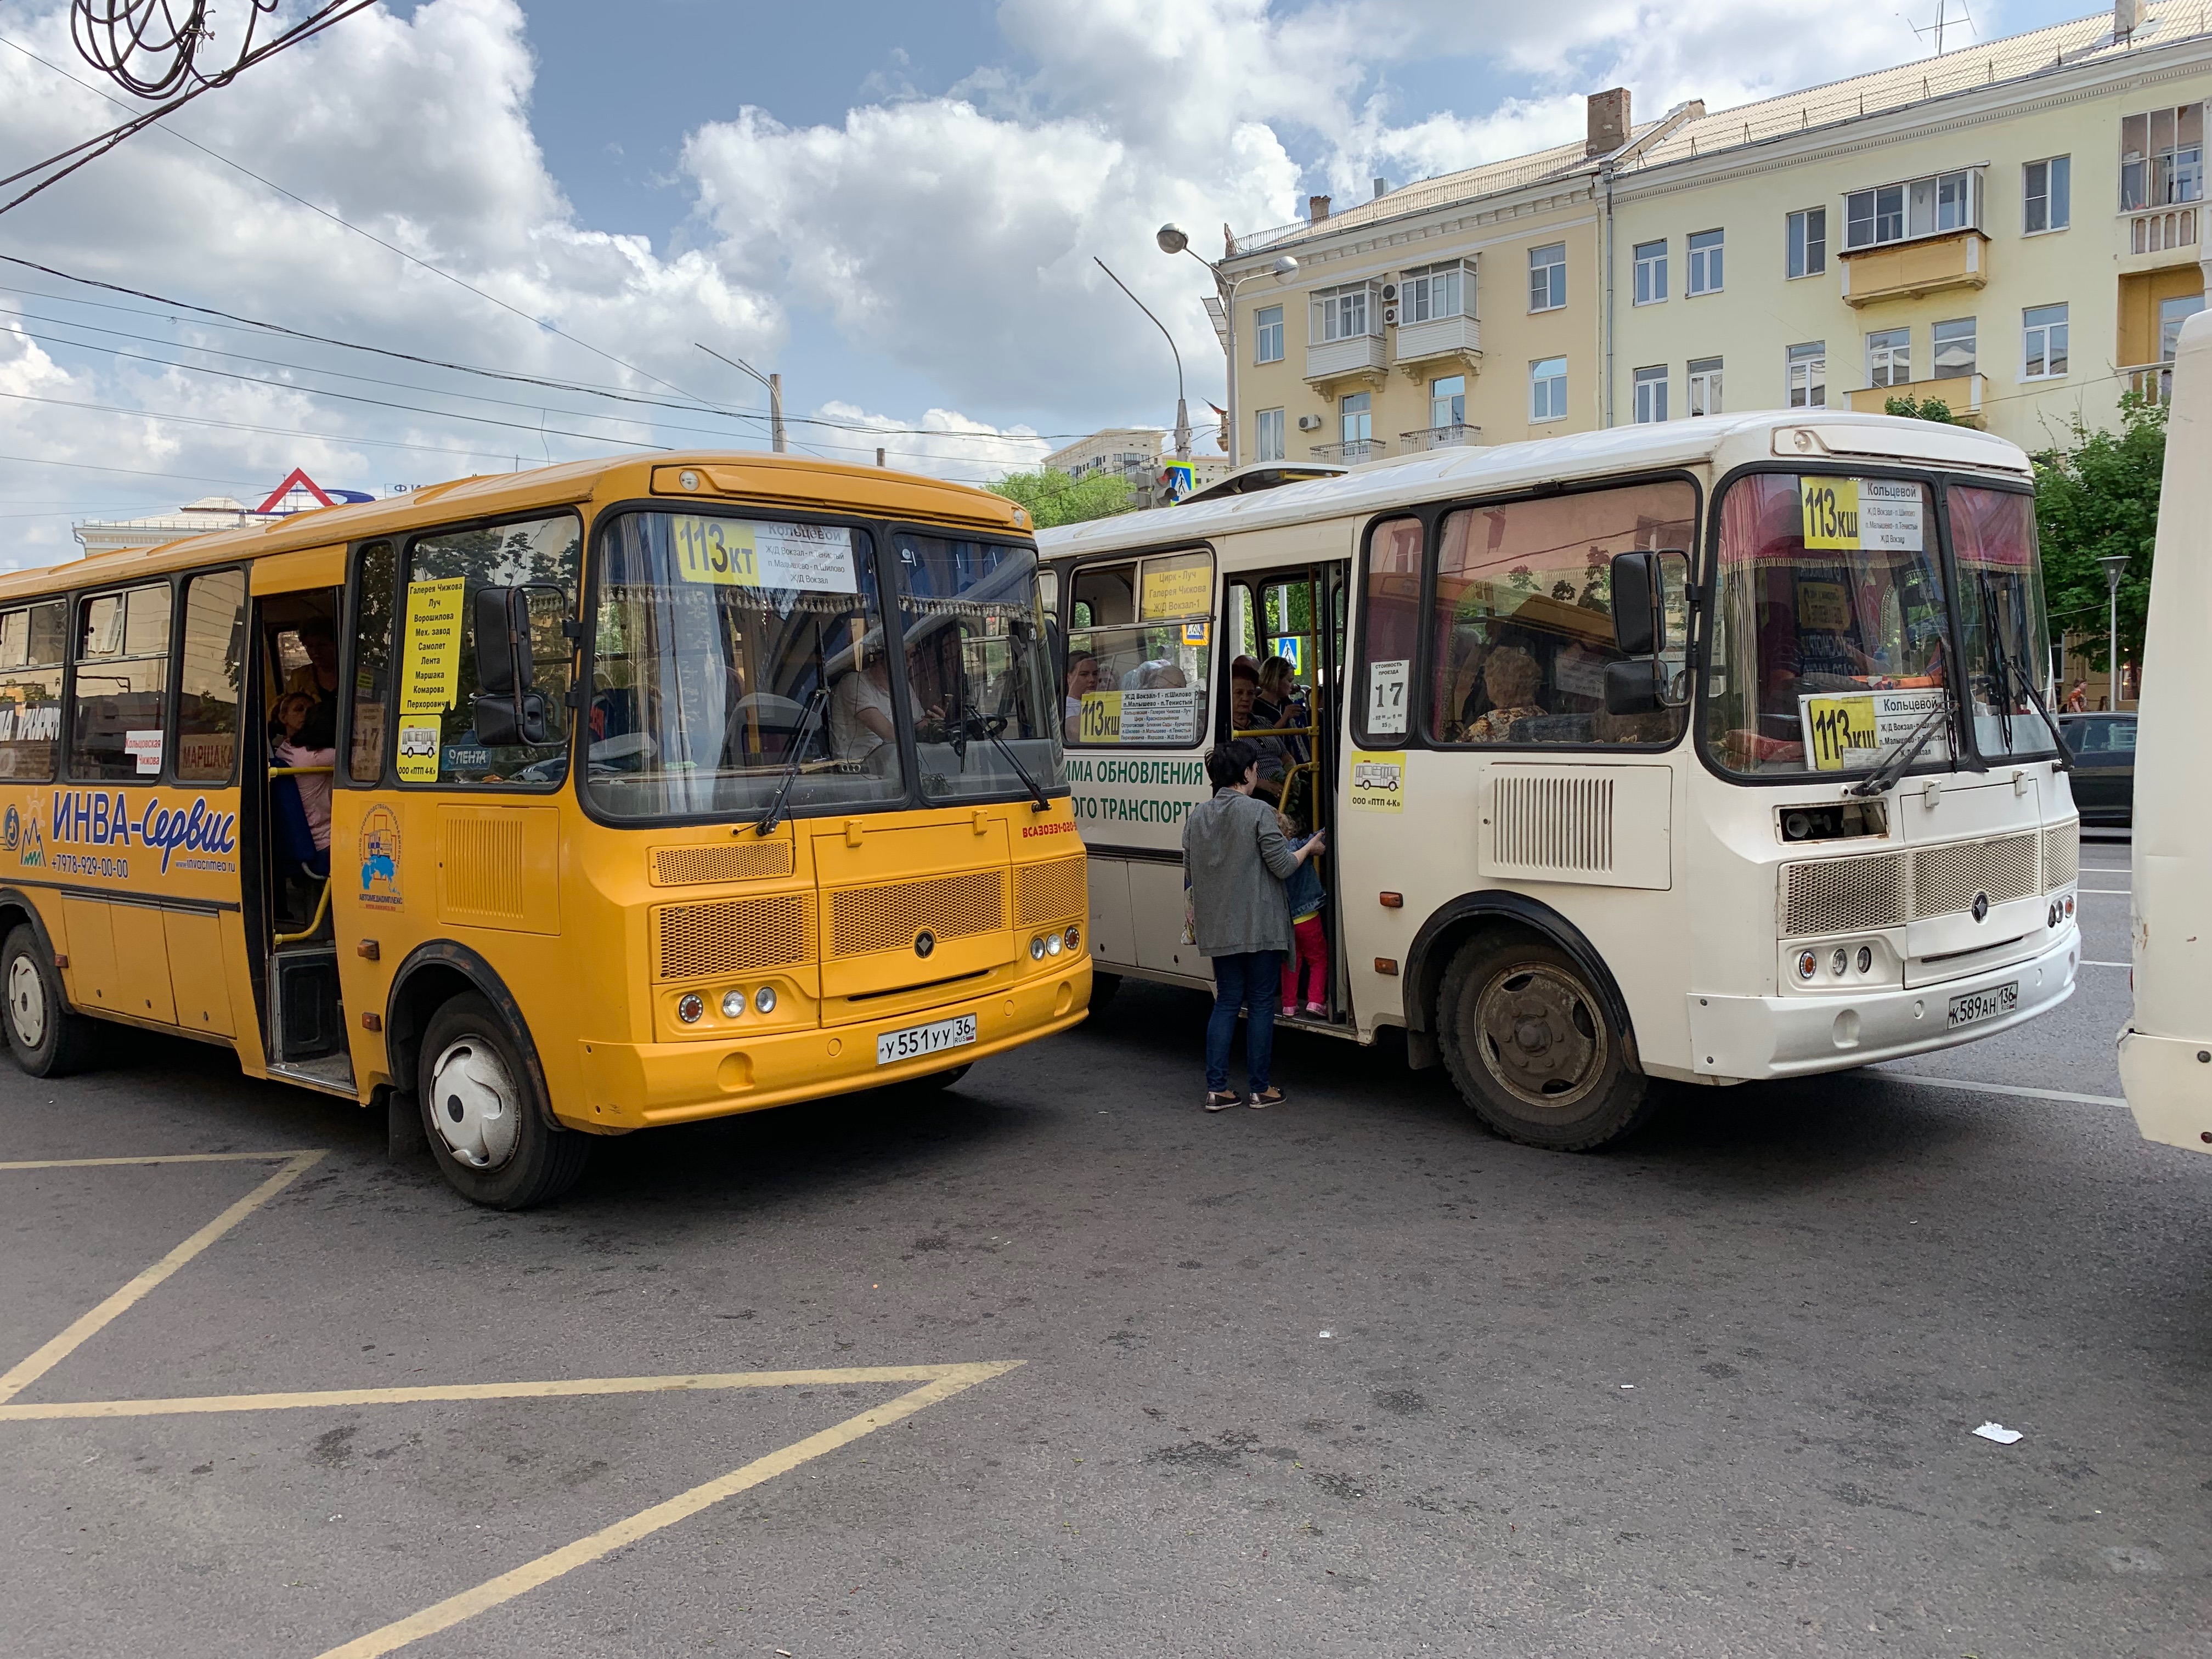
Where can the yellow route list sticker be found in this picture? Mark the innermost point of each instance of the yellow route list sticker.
(434, 646)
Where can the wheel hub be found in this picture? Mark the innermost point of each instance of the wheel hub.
(27, 1002)
(1540, 1038)
(474, 1104)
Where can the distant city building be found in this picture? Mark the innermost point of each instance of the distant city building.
(1133, 452)
(297, 494)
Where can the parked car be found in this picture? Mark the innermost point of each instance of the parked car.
(2104, 751)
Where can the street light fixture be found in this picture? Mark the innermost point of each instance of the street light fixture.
(1174, 239)
(2115, 568)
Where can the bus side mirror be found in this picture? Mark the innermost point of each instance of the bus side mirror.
(1651, 627)
(506, 712)
(1636, 604)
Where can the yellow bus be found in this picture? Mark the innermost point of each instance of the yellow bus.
(547, 805)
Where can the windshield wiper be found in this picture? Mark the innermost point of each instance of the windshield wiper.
(991, 728)
(770, 819)
(1906, 751)
(2001, 658)
(2066, 755)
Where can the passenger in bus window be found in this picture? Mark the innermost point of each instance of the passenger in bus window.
(1082, 680)
(860, 709)
(1511, 679)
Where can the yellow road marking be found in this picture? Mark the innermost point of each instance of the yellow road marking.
(167, 1158)
(21, 1376)
(690, 1382)
(445, 1614)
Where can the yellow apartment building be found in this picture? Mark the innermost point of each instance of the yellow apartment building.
(2012, 228)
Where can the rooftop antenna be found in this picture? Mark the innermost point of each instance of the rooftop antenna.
(1944, 20)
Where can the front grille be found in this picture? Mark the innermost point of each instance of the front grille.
(1843, 896)
(1050, 891)
(750, 860)
(863, 920)
(737, 936)
(2062, 855)
(1946, 879)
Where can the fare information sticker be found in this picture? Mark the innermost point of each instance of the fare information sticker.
(1386, 695)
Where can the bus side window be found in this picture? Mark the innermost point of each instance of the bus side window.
(1389, 631)
(31, 642)
(117, 704)
(371, 660)
(1141, 653)
(207, 694)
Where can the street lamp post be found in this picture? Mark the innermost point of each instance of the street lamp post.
(1173, 239)
(2116, 567)
(1182, 409)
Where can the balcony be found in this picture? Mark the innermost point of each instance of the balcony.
(1961, 394)
(1440, 437)
(1335, 366)
(1351, 449)
(2157, 230)
(1441, 342)
(2152, 382)
(1907, 271)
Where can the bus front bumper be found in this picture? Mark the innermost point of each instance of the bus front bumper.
(2169, 1087)
(635, 1085)
(1739, 1039)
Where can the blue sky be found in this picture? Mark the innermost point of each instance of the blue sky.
(897, 206)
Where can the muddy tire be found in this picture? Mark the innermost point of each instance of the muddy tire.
(488, 1129)
(1532, 1047)
(46, 1035)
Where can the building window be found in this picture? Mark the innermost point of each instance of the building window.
(1268, 328)
(1889, 356)
(2042, 342)
(1345, 313)
(1704, 386)
(1808, 242)
(2171, 314)
(1267, 436)
(1808, 375)
(1547, 276)
(2162, 158)
(1650, 395)
(1437, 291)
(1447, 401)
(1651, 273)
(1954, 348)
(2047, 195)
(1356, 415)
(1705, 262)
(1547, 389)
(1933, 206)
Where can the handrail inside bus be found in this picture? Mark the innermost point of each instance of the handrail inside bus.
(314, 927)
(300, 771)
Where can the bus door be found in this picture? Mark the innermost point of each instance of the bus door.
(292, 740)
(1294, 617)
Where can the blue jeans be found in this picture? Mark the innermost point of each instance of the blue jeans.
(1251, 981)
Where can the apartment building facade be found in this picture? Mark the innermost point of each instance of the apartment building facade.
(2013, 230)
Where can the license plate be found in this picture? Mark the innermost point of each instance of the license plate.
(931, 1039)
(1976, 1005)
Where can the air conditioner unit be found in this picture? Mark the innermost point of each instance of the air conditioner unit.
(1309, 422)
(1389, 293)
(1389, 315)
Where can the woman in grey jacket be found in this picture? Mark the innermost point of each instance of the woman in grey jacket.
(1235, 859)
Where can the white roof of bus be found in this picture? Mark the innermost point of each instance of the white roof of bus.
(1841, 440)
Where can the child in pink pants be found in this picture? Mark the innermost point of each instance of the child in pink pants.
(1308, 956)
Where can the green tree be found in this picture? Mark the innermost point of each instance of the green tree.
(1053, 497)
(2095, 497)
(1929, 409)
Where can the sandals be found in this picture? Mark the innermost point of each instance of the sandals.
(1271, 1096)
(1221, 1102)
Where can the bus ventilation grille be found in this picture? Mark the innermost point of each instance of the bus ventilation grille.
(2062, 855)
(740, 936)
(750, 859)
(1843, 896)
(864, 920)
(1054, 891)
(480, 866)
(1551, 824)
(1946, 878)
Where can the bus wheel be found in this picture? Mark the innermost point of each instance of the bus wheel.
(487, 1128)
(45, 1037)
(1529, 1044)
(935, 1083)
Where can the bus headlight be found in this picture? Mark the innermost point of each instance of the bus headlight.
(1073, 936)
(1808, 964)
(1866, 959)
(734, 1003)
(1036, 948)
(1840, 961)
(689, 1007)
(764, 999)
(1052, 945)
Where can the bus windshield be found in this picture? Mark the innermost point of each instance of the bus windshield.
(2008, 642)
(1829, 631)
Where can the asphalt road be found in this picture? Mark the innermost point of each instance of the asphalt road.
(1349, 1377)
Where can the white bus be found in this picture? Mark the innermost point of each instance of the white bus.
(2166, 1053)
(1709, 751)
